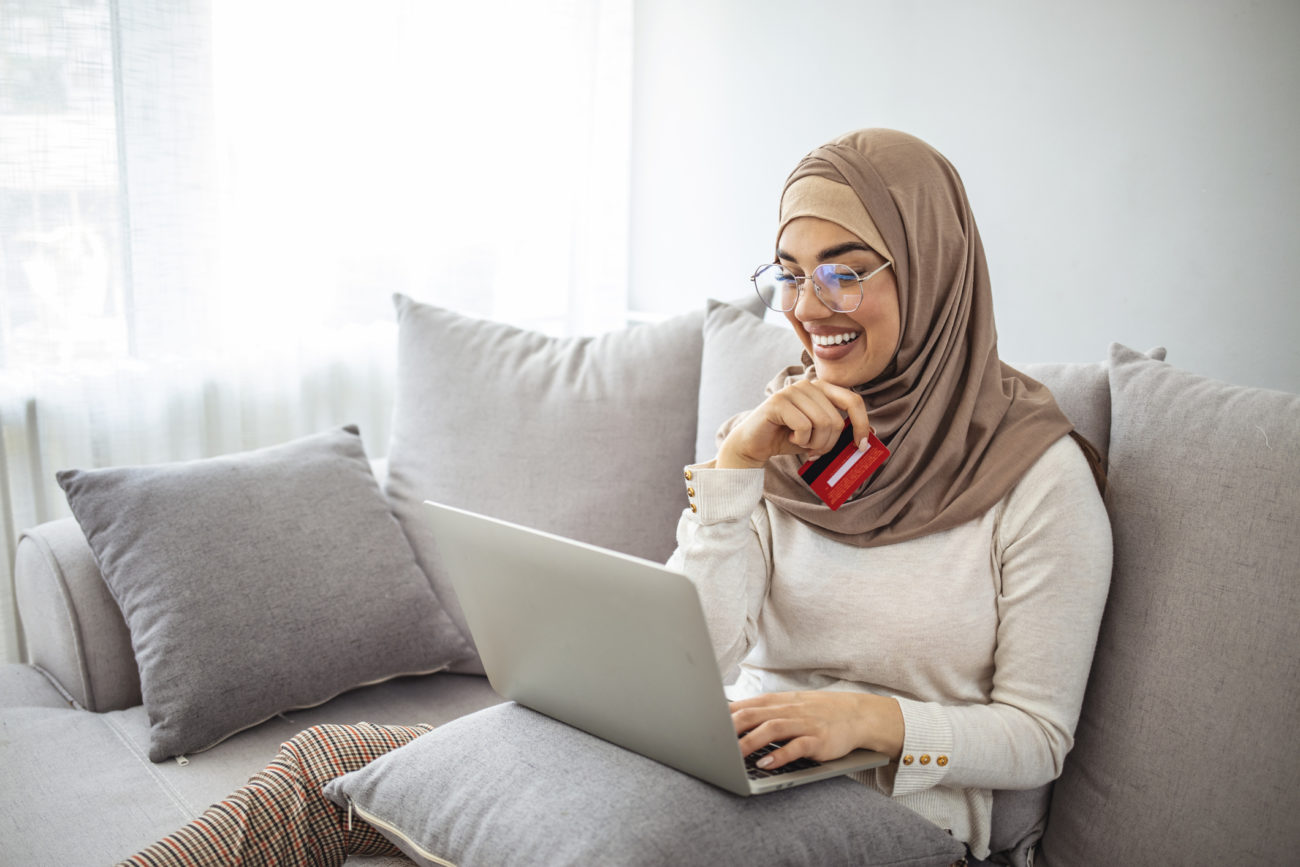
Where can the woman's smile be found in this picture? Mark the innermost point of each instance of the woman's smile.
(834, 345)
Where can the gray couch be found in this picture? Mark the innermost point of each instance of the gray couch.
(1184, 753)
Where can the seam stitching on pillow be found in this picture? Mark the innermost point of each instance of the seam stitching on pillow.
(69, 610)
(397, 832)
(188, 811)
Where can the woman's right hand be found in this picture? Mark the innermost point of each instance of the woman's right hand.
(804, 418)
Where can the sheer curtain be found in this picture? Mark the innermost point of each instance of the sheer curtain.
(205, 208)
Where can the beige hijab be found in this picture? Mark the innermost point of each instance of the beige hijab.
(962, 426)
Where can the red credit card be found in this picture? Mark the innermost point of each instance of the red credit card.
(838, 473)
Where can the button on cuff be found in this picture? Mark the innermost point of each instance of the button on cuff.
(927, 747)
(715, 495)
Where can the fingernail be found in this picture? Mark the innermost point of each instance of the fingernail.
(764, 762)
(865, 444)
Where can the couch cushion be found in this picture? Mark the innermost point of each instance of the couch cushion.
(1082, 391)
(510, 786)
(741, 355)
(1185, 749)
(582, 437)
(79, 788)
(73, 793)
(24, 686)
(258, 582)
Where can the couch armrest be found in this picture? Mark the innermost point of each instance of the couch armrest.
(75, 631)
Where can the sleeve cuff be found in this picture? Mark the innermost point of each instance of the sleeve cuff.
(927, 747)
(722, 495)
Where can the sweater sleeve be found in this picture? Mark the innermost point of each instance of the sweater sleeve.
(724, 548)
(1052, 559)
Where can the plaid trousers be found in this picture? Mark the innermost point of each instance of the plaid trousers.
(280, 817)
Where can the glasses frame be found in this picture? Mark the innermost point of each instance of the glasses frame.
(817, 286)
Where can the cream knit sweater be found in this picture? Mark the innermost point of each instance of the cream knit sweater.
(984, 633)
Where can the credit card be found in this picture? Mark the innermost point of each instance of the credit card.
(837, 474)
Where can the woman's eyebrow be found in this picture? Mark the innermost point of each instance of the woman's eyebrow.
(841, 249)
(831, 252)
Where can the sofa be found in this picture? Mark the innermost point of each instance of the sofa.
(1184, 754)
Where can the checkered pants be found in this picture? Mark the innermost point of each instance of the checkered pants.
(280, 816)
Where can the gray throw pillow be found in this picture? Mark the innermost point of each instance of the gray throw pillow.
(258, 582)
(583, 437)
(510, 786)
(1185, 752)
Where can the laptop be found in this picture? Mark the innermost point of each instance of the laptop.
(611, 644)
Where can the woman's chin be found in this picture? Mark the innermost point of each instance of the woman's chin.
(831, 375)
(843, 375)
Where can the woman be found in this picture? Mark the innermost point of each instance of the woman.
(945, 615)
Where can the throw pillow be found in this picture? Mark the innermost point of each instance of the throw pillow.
(1082, 391)
(1190, 712)
(741, 355)
(508, 786)
(257, 583)
(583, 437)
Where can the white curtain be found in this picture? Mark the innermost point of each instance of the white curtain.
(205, 208)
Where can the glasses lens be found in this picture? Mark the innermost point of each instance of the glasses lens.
(777, 287)
(839, 287)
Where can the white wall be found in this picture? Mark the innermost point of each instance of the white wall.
(1134, 166)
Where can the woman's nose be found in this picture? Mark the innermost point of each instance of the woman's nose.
(809, 305)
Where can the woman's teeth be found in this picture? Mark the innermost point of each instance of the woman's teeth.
(834, 339)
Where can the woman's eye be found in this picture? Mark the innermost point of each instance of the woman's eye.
(785, 277)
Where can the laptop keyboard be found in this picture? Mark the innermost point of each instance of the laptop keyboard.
(757, 773)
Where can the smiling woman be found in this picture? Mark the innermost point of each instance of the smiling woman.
(946, 614)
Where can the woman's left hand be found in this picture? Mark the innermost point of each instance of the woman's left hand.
(818, 725)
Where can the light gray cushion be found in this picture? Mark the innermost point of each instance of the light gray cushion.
(1186, 747)
(509, 786)
(1082, 391)
(258, 582)
(79, 790)
(741, 355)
(73, 793)
(582, 437)
(24, 686)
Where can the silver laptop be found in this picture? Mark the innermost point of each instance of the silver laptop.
(611, 644)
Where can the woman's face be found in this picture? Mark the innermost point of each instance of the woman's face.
(848, 348)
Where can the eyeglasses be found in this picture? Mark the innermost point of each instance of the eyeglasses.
(838, 286)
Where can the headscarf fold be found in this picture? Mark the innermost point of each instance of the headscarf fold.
(962, 427)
